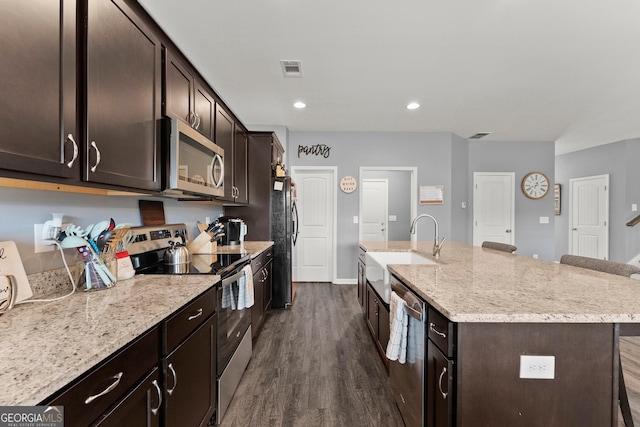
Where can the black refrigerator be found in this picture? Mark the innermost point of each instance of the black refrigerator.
(284, 230)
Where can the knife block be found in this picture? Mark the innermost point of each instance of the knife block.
(202, 244)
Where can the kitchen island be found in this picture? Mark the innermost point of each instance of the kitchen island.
(497, 307)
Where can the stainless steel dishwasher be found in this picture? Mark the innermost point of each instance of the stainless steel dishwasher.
(407, 379)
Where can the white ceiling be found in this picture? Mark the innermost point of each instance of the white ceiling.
(525, 70)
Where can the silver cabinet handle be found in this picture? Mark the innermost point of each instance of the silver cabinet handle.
(197, 121)
(75, 150)
(154, 411)
(444, 371)
(195, 316)
(432, 327)
(116, 377)
(217, 159)
(191, 118)
(95, 146)
(175, 379)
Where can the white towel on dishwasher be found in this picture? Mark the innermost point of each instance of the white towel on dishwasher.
(245, 288)
(398, 318)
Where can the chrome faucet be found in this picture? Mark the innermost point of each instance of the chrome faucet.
(437, 243)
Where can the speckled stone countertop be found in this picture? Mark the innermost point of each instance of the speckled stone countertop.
(255, 248)
(44, 346)
(472, 284)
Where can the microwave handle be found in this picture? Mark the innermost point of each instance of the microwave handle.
(217, 158)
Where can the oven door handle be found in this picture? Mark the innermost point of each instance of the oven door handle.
(226, 281)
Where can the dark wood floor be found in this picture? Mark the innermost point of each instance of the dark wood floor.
(315, 365)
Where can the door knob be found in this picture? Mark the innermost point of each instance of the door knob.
(507, 231)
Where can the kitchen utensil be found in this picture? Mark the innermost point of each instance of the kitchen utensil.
(99, 228)
(177, 257)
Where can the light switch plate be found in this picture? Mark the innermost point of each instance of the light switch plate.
(392, 218)
(537, 367)
(544, 220)
(355, 219)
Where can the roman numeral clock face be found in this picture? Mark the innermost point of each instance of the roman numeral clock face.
(535, 185)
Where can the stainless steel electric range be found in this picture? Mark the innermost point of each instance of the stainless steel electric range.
(234, 346)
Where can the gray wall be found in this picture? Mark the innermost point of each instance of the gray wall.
(399, 201)
(430, 153)
(531, 237)
(21, 209)
(619, 160)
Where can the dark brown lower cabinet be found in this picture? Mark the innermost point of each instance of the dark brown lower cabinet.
(362, 282)
(191, 378)
(140, 407)
(261, 267)
(439, 388)
(104, 392)
(377, 315)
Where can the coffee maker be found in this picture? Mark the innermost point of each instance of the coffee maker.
(234, 230)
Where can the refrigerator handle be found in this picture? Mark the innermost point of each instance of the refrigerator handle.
(294, 219)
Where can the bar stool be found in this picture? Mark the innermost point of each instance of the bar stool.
(619, 269)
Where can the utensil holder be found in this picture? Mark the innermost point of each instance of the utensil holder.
(202, 244)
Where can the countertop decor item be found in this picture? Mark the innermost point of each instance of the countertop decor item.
(348, 184)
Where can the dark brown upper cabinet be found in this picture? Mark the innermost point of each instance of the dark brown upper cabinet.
(187, 98)
(234, 142)
(123, 98)
(38, 114)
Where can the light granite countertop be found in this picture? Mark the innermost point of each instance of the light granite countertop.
(44, 346)
(473, 284)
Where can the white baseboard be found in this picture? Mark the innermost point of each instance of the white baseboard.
(345, 282)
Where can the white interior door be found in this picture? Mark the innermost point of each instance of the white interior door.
(589, 224)
(313, 258)
(374, 216)
(493, 207)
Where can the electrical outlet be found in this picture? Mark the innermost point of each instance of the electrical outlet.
(537, 367)
(40, 245)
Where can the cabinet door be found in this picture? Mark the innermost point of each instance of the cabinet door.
(241, 165)
(372, 312)
(123, 98)
(191, 378)
(267, 287)
(362, 282)
(204, 108)
(140, 408)
(224, 139)
(439, 393)
(257, 309)
(179, 90)
(38, 86)
(384, 328)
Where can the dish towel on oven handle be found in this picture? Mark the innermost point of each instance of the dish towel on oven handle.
(398, 319)
(228, 300)
(245, 288)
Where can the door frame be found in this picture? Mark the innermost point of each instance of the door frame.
(513, 203)
(413, 171)
(607, 207)
(334, 231)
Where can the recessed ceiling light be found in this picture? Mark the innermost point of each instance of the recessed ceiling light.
(299, 105)
(413, 106)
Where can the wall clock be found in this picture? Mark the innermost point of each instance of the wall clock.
(535, 185)
(348, 184)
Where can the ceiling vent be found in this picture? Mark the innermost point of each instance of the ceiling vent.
(479, 135)
(291, 68)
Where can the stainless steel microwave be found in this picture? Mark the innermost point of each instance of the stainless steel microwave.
(196, 164)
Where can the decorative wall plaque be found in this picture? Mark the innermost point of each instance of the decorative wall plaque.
(348, 184)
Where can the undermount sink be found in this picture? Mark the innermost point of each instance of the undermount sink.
(377, 273)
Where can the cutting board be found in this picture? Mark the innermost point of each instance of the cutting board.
(11, 265)
(152, 212)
